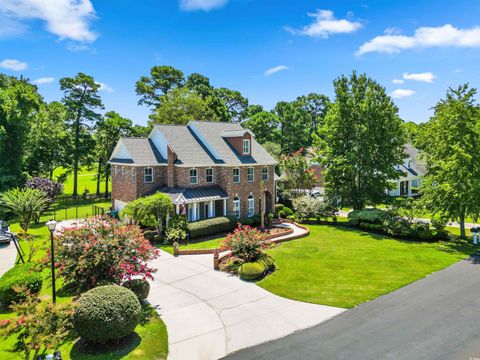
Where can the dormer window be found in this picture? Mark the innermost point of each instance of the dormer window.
(246, 146)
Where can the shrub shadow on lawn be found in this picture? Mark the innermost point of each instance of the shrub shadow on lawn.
(82, 350)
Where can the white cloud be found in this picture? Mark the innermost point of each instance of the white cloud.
(12, 64)
(458, 71)
(276, 69)
(325, 24)
(205, 5)
(398, 81)
(65, 18)
(44, 80)
(104, 87)
(401, 93)
(423, 77)
(424, 37)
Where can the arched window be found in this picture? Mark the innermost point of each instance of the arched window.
(251, 205)
(236, 207)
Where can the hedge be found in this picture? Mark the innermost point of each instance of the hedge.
(23, 275)
(212, 226)
(371, 216)
(255, 270)
(106, 313)
(140, 287)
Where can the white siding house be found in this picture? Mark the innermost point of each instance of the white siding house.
(411, 173)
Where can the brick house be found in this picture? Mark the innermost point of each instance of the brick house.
(207, 168)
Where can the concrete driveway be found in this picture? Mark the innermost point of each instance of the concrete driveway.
(434, 318)
(8, 255)
(210, 314)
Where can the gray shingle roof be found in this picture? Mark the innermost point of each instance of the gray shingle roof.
(414, 154)
(142, 152)
(179, 195)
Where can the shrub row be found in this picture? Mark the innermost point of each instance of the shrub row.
(20, 276)
(370, 216)
(212, 226)
(255, 270)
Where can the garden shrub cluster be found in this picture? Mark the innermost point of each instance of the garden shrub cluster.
(212, 226)
(257, 269)
(106, 313)
(245, 242)
(140, 287)
(308, 208)
(285, 212)
(16, 281)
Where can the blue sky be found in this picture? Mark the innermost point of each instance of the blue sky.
(426, 46)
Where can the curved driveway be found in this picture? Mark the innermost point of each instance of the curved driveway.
(437, 317)
(210, 314)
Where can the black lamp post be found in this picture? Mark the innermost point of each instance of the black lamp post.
(51, 226)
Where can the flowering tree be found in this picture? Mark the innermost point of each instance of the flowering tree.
(245, 242)
(296, 172)
(49, 187)
(103, 252)
(39, 326)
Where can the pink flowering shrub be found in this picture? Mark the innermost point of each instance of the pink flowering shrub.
(103, 252)
(245, 242)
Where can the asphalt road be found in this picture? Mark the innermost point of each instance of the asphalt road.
(437, 317)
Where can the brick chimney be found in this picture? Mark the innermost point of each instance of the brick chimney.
(171, 157)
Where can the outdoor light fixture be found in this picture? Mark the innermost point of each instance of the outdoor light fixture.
(52, 224)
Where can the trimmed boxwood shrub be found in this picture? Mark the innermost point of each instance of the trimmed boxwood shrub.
(267, 261)
(251, 271)
(371, 216)
(23, 275)
(140, 287)
(212, 226)
(278, 207)
(106, 313)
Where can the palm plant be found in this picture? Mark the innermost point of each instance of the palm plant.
(28, 204)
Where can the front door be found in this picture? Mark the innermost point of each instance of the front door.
(207, 208)
(403, 188)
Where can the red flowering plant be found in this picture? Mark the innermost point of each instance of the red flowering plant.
(296, 171)
(245, 242)
(103, 252)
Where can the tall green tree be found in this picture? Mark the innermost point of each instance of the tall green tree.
(80, 97)
(264, 125)
(19, 104)
(293, 128)
(48, 141)
(360, 142)
(315, 108)
(162, 79)
(108, 131)
(235, 102)
(450, 143)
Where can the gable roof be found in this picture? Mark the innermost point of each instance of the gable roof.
(141, 151)
(419, 167)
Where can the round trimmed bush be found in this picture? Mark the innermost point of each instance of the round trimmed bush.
(20, 276)
(267, 261)
(251, 271)
(106, 313)
(140, 287)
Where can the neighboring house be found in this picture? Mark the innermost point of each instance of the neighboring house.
(411, 173)
(207, 168)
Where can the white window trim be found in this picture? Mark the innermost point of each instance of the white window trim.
(268, 173)
(253, 174)
(145, 175)
(206, 177)
(123, 172)
(133, 174)
(233, 176)
(116, 170)
(249, 144)
(236, 205)
(190, 176)
(251, 209)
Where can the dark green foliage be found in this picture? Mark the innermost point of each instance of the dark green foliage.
(140, 287)
(212, 226)
(285, 212)
(106, 313)
(19, 276)
(371, 216)
(267, 261)
(254, 220)
(251, 271)
(231, 265)
(278, 207)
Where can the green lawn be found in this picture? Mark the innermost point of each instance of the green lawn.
(344, 267)
(86, 180)
(202, 243)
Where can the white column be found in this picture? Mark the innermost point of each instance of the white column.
(211, 209)
(167, 220)
(224, 207)
(195, 211)
(409, 182)
(177, 209)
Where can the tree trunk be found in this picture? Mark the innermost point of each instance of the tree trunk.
(463, 233)
(99, 169)
(107, 173)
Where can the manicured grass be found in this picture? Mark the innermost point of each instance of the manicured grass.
(203, 243)
(87, 179)
(344, 267)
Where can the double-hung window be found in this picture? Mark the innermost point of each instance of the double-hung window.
(133, 172)
(250, 174)
(246, 146)
(148, 175)
(209, 175)
(193, 177)
(265, 173)
(116, 170)
(236, 175)
(236, 207)
(123, 172)
(251, 205)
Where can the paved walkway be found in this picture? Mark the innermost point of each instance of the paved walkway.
(210, 314)
(435, 318)
(8, 255)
